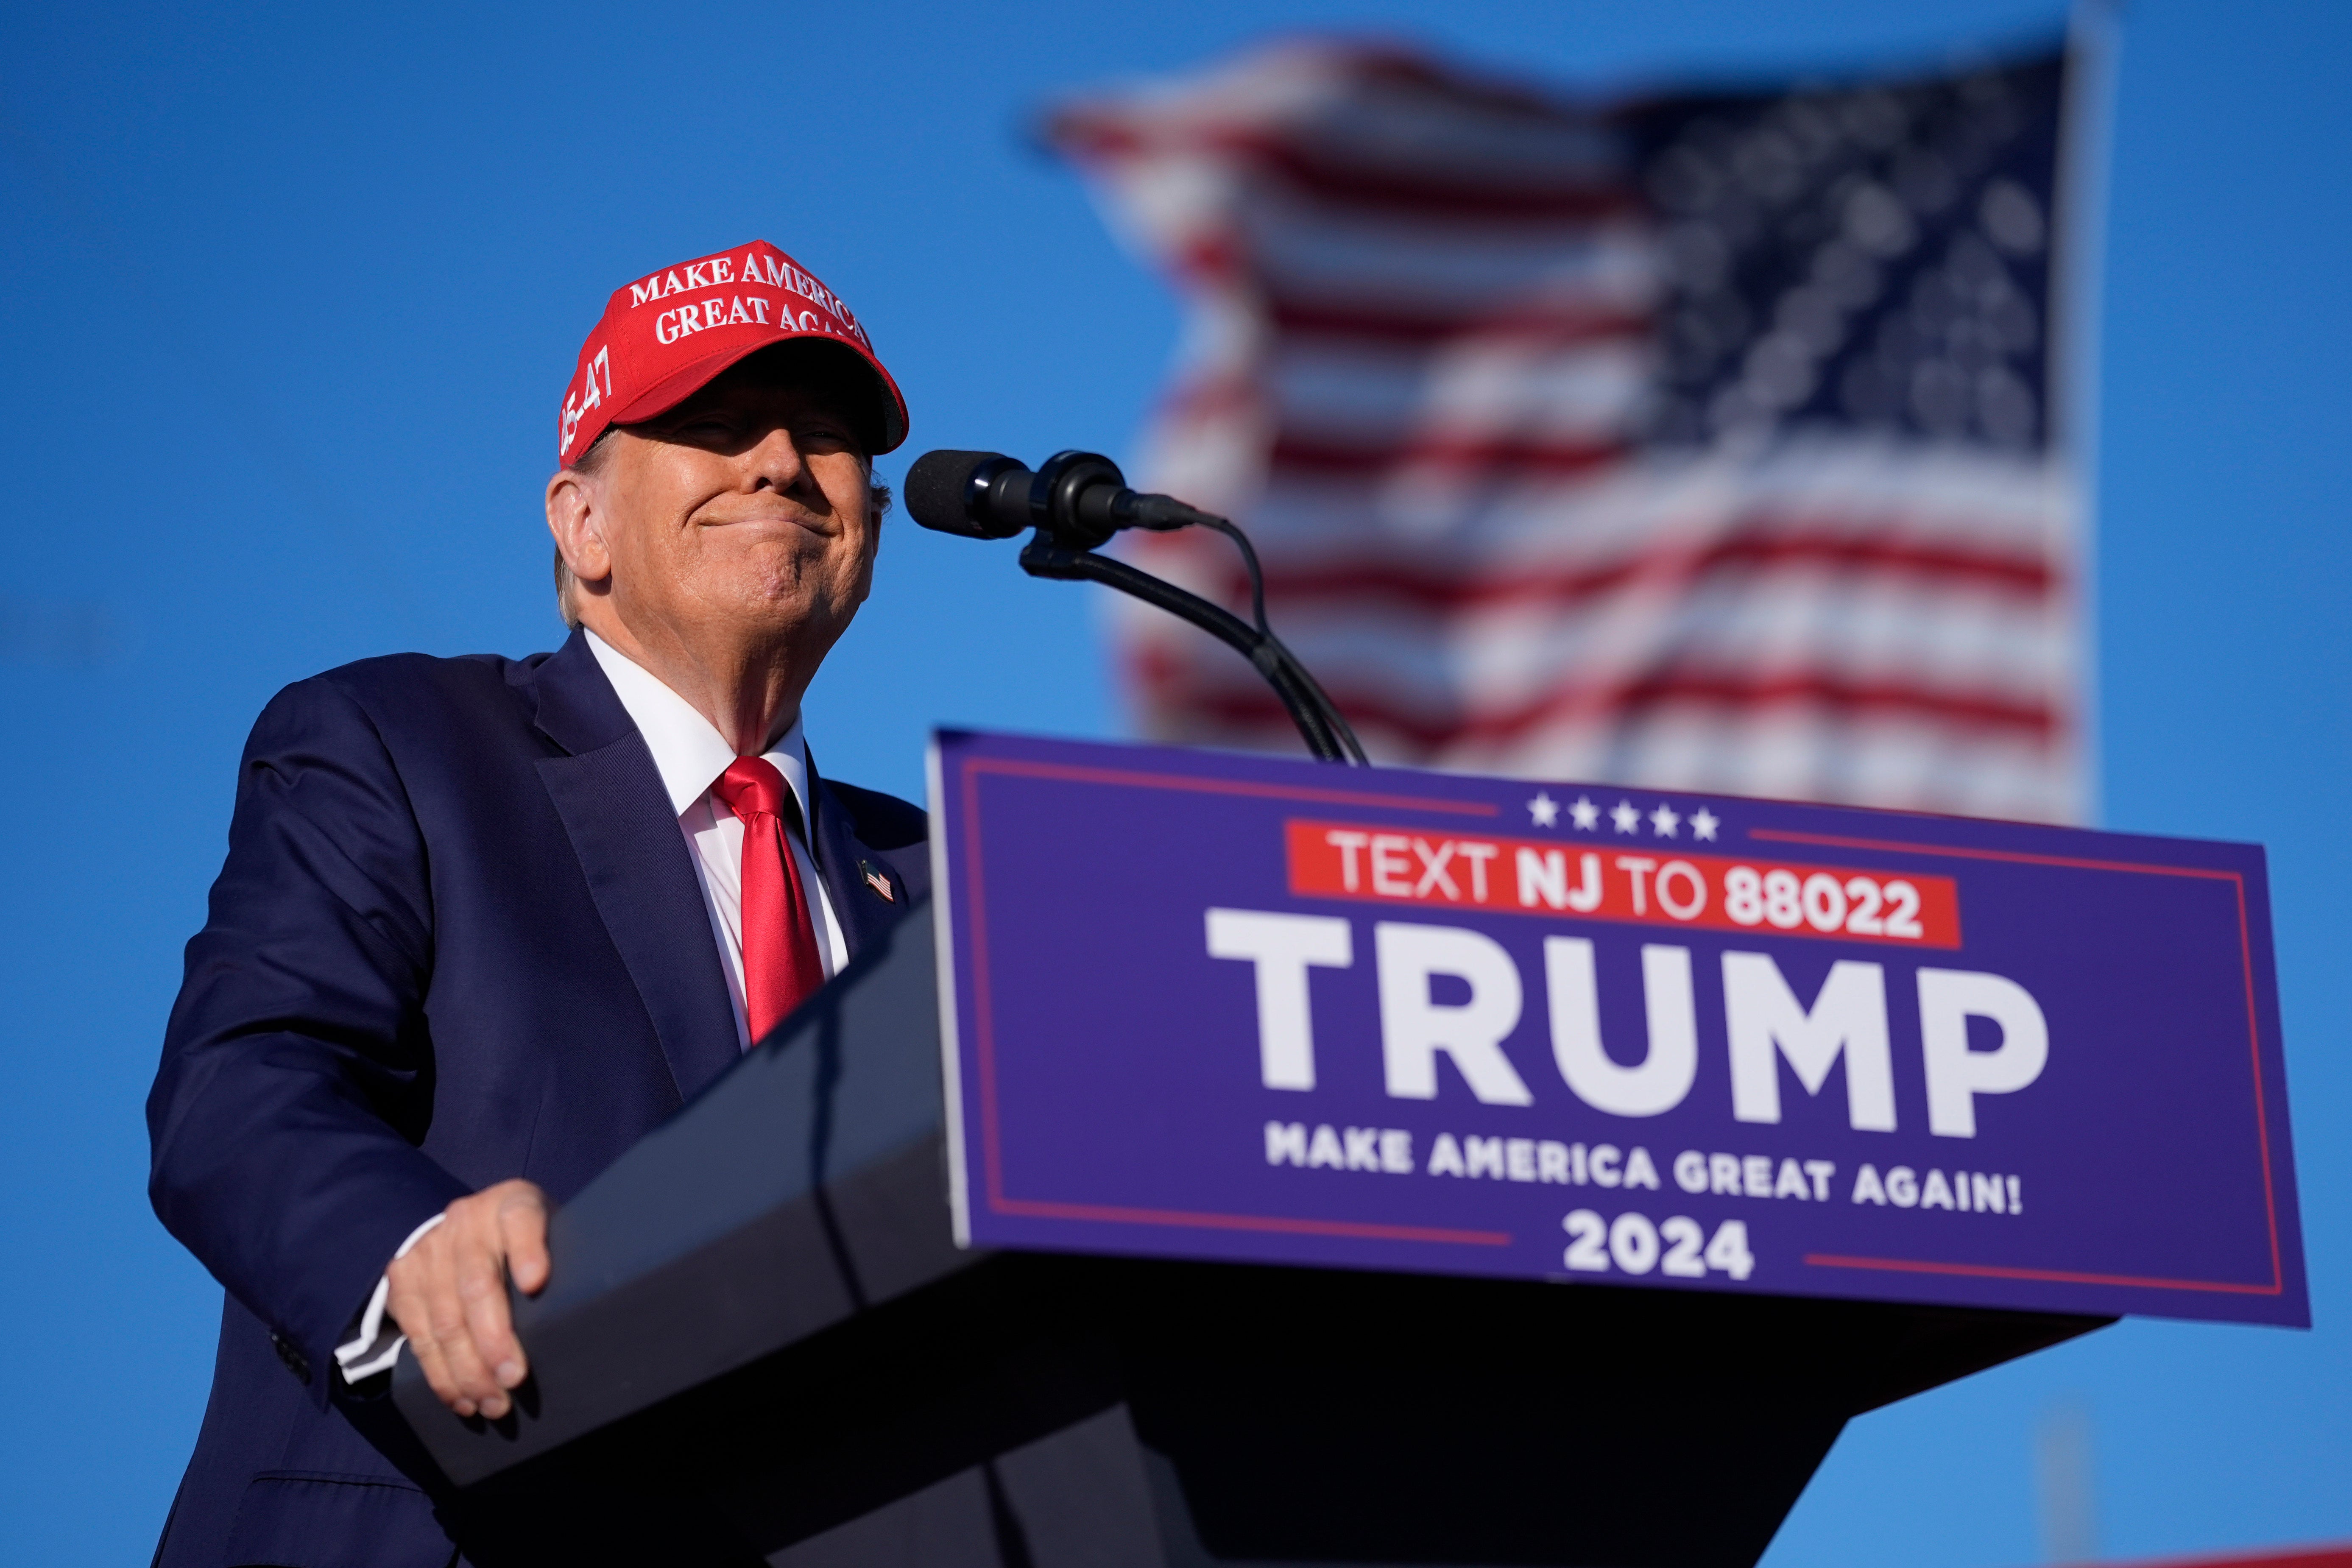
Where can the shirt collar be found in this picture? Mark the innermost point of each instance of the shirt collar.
(689, 753)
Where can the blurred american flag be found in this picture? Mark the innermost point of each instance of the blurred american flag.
(1698, 441)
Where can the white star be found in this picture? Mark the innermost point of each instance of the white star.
(1626, 818)
(1544, 810)
(1664, 820)
(1585, 815)
(1704, 824)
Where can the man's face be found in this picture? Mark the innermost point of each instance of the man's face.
(743, 514)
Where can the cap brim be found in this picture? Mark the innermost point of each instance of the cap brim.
(889, 411)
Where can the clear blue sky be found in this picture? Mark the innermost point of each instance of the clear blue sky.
(288, 301)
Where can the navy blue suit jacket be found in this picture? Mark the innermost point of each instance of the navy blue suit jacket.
(458, 938)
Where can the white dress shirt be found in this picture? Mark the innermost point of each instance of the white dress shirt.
(689, 753)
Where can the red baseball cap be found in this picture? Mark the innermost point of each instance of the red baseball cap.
(667, 336)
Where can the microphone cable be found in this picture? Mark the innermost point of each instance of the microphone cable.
(1329, 709)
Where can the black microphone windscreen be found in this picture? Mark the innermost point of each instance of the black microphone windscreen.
(939, 488)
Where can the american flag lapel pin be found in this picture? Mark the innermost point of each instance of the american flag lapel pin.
(878, 880)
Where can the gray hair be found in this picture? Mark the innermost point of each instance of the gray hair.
(590, 465)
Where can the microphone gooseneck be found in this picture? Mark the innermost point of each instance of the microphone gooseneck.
(1077, 501)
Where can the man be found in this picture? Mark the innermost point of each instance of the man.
(484, 923)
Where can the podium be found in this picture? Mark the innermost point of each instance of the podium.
(761, 1343)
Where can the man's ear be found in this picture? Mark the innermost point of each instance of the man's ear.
(877, 507)
(573, 518)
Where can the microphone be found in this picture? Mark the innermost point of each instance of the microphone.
(1076, 501)
(1079, 498)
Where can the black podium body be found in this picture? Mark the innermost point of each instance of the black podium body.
(760, 1344)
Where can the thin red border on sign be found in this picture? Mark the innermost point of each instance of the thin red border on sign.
(2253, 1045)
(1249, 1221)
(982, 1004)
(1996, 1271)
(1226, 786)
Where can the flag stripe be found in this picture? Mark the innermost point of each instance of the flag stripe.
(1529, 325)
(1311, 171)
(1332, 454)
(1253, 704)
(1434, 590)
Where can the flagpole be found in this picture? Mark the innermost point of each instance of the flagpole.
(2086, 130)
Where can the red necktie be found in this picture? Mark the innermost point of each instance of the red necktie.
(781, 967)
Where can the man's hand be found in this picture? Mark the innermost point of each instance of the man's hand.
(449, 1295)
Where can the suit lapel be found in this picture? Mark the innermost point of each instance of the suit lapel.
(611, 799)
(841, 862)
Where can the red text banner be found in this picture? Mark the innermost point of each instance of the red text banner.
(1713, 892)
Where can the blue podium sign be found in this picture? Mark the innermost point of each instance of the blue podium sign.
(1211, 1006)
